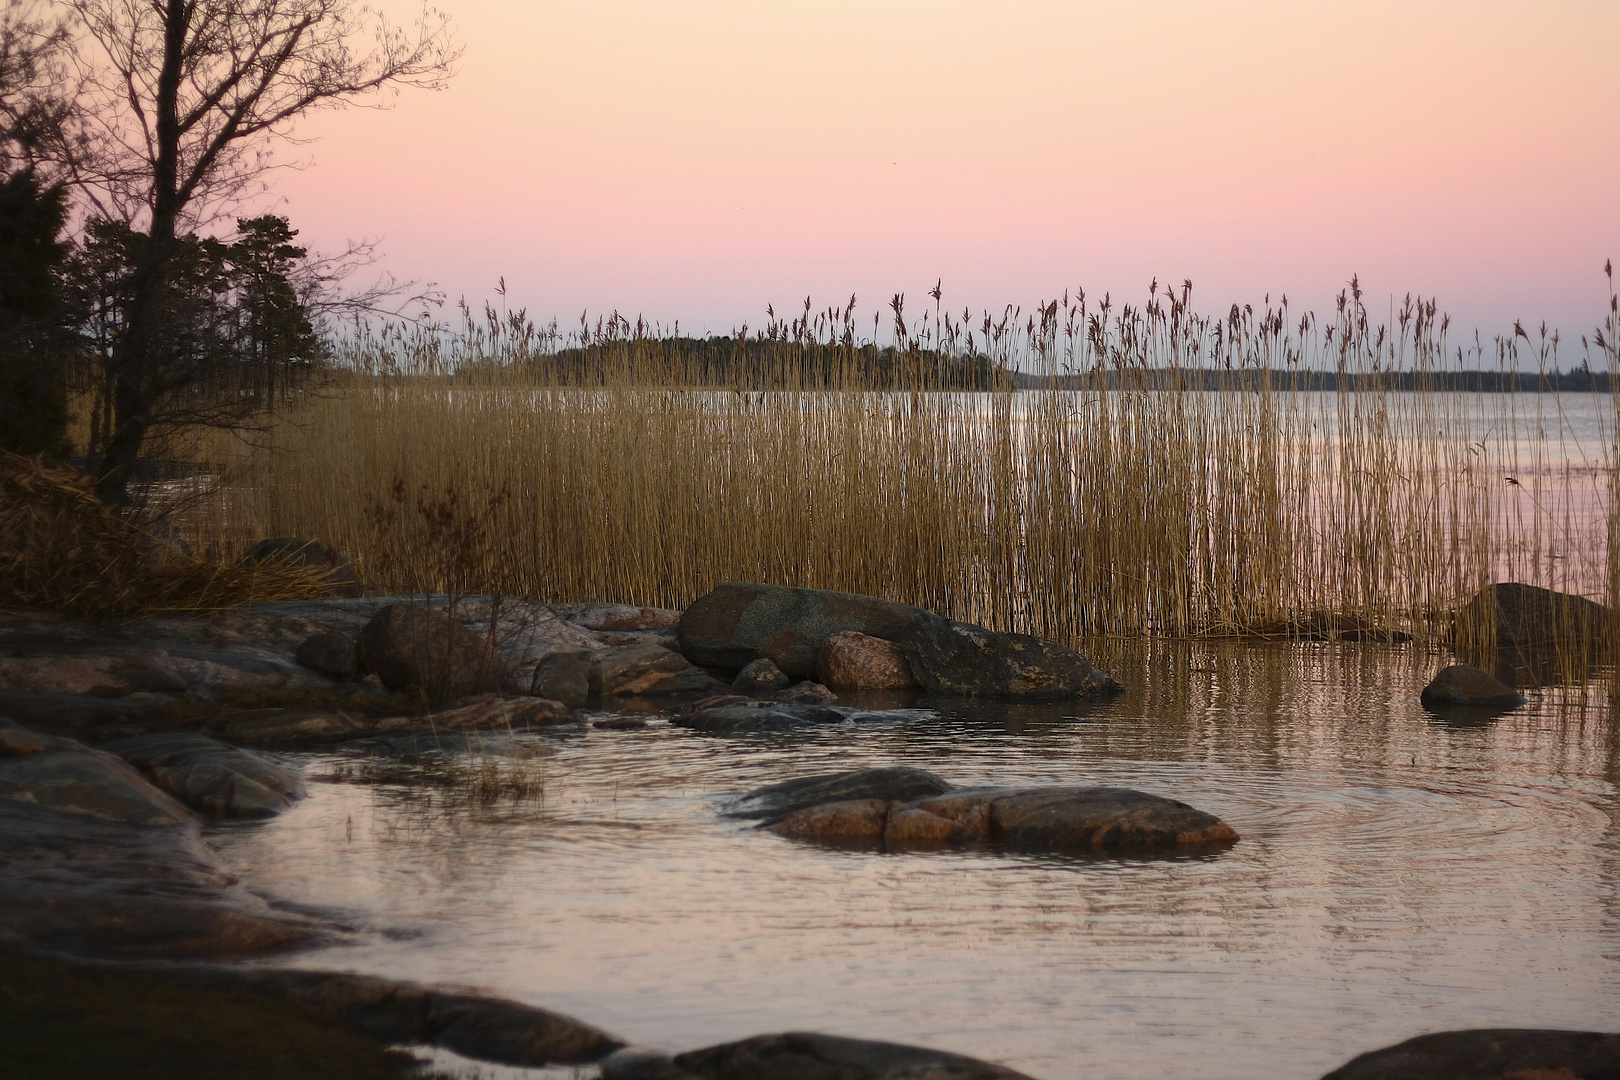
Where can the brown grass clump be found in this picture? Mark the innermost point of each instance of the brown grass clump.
(61, 547)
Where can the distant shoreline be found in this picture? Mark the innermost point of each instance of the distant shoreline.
(1479, 382)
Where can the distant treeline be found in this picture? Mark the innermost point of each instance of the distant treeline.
(763, 363)
(1486, 382)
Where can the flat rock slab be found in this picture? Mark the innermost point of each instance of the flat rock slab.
(762, 717)
(900, 809)
(1492, 1054)
(803, 1055)
(60, 774)
(385, 1010)
(84, 884)
(212, 777)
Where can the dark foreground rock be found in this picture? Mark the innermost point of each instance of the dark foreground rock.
(1491, 1054)
(1463, 686)
(330, 653)
(61, 774)
(960, 658)
(895, 809)
(414, 648)
(803, 1055)
(210, 776)
(743, 621)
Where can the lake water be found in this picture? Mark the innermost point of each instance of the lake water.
(1397, 875)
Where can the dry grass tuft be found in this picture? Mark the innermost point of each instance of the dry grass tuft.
(62, 548)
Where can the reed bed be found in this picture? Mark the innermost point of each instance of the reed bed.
(1160, 472)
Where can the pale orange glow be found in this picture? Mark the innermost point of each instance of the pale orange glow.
(698, 160)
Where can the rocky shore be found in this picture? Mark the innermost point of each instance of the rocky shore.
(118, 741)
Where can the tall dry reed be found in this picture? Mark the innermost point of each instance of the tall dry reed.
(1161, 471)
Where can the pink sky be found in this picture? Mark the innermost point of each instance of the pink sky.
(698, 160)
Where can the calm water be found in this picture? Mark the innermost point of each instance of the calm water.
(1397, 875)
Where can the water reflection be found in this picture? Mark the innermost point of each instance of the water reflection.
(1397, 874)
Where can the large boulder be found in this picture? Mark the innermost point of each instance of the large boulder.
(210, 776)
(330, 653)
(417, 649)
(743, 621)
(564, 677)
(897, 808)
(299, 551)
(961, 658)
(851, 661)
(1491, 1054)
(803, 1055)
(1462, 686)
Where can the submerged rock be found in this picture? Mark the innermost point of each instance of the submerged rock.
(803, 1055)
(959, 658)
(1467, 687)
(413, 648)
(805, 693)
(743, 621)
(899, 808)
(756, 717)
(210, 776)
(852, 661)
(1491, 1054)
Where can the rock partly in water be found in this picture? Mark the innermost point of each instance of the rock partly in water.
(298, 551)
(210, 776)
(760, 678)
(896, 809)
(491, 712)
(1525, 634)
(755, 717)
(1491, 1054)
(295, 727)
(564, 677)
(744, 621)
(852, 661)
(330, 653)
(960, 658)
(802, 1055)
(805, 693)
(414, 648)
(645, 670)
(1463, 686)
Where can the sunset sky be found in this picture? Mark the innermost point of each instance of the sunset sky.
(699, 160)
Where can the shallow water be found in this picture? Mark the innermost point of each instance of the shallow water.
(1396, 875)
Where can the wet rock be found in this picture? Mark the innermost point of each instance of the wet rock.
(1465, 686)
(907, 808)
(757, 717)
(210, 776)
(1342, 627)
(743, 621)
(960, 658)
(645, 670)
(61, 774)
(620, 723)
(852, 661)
(760, 678)
(806, 693)
(112, 674)
(493, 712)
(296, 727)
(84, 884)
(333, 654)
(413, 648)
(298, 551)
(798, 1055)
(1491, 1054)
(776, 801)
(564, 677)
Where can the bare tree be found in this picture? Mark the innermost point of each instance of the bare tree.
(36, 86)
(182, 105)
